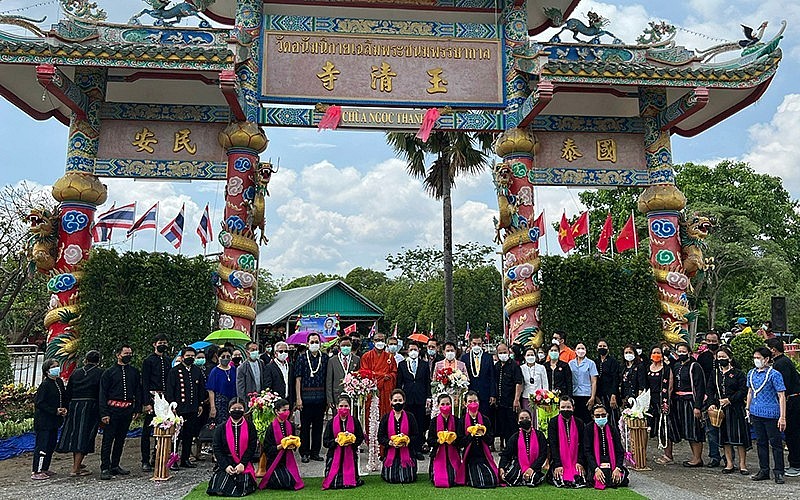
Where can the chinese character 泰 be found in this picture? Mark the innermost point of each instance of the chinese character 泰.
(144, 139)
(570, 150)
(328, 75)
(438, 84)
(607, 150)
(183, 141)
(384, 75)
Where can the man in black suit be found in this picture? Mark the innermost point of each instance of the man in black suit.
(413, 376)
(280, 373)
(480, 369)
(186, 388)
(432, 356)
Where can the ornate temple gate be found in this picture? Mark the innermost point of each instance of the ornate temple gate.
(166, 102)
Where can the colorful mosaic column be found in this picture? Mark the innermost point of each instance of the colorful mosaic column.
(663, 202)
(247, 31)
(516, 33)
(79, 193)
(513, 181)
(243, 142)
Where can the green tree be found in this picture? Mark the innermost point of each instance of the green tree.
(455, 153)
(310, 279)
(363, 280)
(267, 288)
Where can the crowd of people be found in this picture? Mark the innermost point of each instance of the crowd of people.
(697, 397)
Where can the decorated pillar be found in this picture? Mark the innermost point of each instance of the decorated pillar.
(249, 14)
(513, 180)
(515, 31)
(662, 202)
(78, 192)
(243, 141)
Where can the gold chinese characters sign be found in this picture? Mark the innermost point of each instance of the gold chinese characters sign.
(381, 70)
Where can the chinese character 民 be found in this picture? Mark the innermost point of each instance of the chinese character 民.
(382, 77)
(438, 84)
(328, 75)
(144, 139)
(183, 141)
(570, 150)
(607, 150)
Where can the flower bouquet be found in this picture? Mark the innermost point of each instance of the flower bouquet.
(633, 430)
(455, 383)
(262, 409)
(546, 404)
(360, 388)
(166, 427)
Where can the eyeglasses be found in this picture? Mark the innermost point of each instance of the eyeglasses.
(282, 350)
(602, 415)
(224, 357)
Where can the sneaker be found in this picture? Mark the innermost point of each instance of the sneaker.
(105, 475)
(792, 472)
(39, 476)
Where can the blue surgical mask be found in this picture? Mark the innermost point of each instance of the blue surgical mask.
(346, 350)
(54, 372)
(601, 421)
(254, 355)
(200, 361)
(394, 348)
(431, 352)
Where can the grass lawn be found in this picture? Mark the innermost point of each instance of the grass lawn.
(375, 488)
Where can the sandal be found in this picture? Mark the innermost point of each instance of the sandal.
(664, 460)
(744, 472)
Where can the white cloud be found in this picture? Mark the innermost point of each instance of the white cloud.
(313, 145)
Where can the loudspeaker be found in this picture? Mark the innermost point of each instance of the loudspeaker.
(779, 314)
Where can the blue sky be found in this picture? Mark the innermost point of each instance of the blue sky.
(341, 200)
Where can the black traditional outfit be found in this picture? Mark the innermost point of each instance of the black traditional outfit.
(282, 473)
(731, 385)
(633, 381)
(608, 380)
(659, 421)
(186, 387)
(480, 471)
(50, 396)
(445, 467)
(83, 415)
(602, 448)
(120, 398)
(399, 465)
(155, 368)
(559, 378)
(688, 395)
(564, 438)
(507, 377)
(524, 450)
(341, 462)
(234, 444)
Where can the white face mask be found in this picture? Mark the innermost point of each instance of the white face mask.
(413, 354)
(380, 345)
(530, 359)
(283, 356)
(758, 362)
(450, 355)
(503, 357)
(629, 356)
(394, 348)
(313, 347)
(581, 353)
(555, 342)
(764, 327)
(476, 350)
(639, 352)
(541, 355)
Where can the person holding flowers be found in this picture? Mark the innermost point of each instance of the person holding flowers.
(445, 466)
(524, 455)
(602, 448)
(564, 435)
(235, 446)
(343, 435)
(279, 445)
(480, 470)
(450, 360)
(396, 431)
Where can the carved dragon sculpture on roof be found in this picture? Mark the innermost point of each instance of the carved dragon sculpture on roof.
(594, 29)
(165, 15)
(25, 23)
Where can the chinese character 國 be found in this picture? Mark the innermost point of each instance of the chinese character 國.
(328, 76)
(607, 150)
(438, 84)
(183, 141)
(570, 151)
(144, 140)
(382, 77)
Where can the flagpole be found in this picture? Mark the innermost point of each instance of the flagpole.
(611, 238)
(588, 234)
(546, 239)
(155, 234)
(635, 238)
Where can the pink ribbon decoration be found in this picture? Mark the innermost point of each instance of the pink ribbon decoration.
(446, 453)
(568, 449)
(331, 118)
(526, 459)
(485, 448)
(291, 464)
(244, 438)
(428, 122)
(611, 453)
(342, 457)
(405, 455)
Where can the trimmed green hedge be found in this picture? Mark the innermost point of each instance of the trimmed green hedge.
(598, 297)
(134, 296)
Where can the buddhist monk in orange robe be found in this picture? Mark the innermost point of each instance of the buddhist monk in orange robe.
(380, 366)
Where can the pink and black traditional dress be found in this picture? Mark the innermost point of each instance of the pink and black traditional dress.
(282, 473)
(399, 465)
(445, 468)
(341, 462)
(524, 450)
(480, 471)
(565, 440)
(234, 444)
(602, 447)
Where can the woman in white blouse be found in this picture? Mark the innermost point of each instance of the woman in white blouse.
(534, 377)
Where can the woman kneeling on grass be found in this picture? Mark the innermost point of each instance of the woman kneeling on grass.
(279, 445)
(343, 435)
(524, 455)
(480, 470)
(602, 448)
(445, 468)
(564, 433)
(235, 445)
(396, 431)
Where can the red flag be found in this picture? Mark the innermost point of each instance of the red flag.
(539, 224)
(565, 238)
(605, 235)
(350, 329)
(581, 225)
(627, 237)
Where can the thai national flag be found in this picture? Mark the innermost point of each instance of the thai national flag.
(486, 334)
(121, 217)
(147, 221)
(173, 231)
(467, 333)
(100, 232)
(204, 228)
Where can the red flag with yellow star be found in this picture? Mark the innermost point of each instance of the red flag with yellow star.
(565, 238)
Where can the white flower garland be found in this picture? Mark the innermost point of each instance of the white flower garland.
(374, 462)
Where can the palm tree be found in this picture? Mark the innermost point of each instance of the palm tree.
(456, 153)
